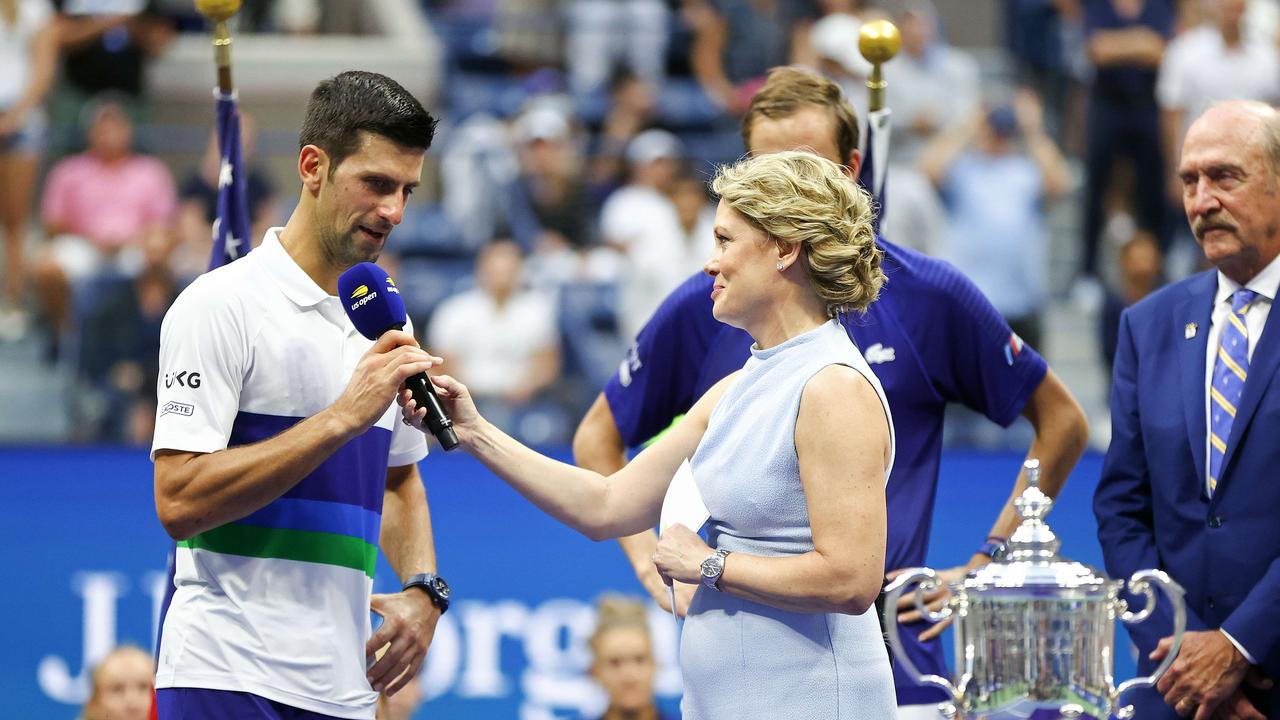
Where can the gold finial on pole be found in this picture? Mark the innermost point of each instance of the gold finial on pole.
(878, 41)
(219, 11)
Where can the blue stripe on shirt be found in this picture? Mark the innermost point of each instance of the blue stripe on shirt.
(317, 516)
(355, 474)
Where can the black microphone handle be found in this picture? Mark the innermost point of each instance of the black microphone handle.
(438, 422)
(424, 394)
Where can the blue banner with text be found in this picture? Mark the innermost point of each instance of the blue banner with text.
(87, 560)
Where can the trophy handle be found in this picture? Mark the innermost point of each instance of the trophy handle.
(1140, 584)
(928, 580)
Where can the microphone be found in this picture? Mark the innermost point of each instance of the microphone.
(373, 302)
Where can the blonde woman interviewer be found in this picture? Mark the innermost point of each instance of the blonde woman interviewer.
(791, 455)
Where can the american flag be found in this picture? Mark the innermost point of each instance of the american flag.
(231, 226)
(874, 173)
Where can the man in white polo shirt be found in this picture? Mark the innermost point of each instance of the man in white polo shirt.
(279, 467)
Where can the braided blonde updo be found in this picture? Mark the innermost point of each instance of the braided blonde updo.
(799, 197)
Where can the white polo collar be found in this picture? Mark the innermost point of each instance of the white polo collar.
(294, 282)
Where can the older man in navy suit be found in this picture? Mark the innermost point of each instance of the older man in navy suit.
(1192, 478)
(1191, 483)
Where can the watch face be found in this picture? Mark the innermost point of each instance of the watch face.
(712, 566)
(441, 587)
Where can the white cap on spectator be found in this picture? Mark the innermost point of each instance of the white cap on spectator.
(542, 123)
(835, 37)
(653, 145)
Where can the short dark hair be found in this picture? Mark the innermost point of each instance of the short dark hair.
(788, 89)
(356, 101)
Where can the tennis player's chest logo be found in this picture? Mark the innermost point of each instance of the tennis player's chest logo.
(878, 353)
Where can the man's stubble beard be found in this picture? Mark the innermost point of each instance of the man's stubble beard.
(340, 249)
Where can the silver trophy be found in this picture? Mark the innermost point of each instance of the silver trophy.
(1034, 633)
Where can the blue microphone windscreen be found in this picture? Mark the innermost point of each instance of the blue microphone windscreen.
(371, 299)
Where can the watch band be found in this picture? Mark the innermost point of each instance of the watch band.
(993, 548)
(434, 586)
(723, 555)
(714, 582)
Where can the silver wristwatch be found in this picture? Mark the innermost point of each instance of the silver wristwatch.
(713, 568)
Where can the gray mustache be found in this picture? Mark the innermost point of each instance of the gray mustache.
(1204, 225)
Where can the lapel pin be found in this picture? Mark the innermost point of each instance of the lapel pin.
(1190, 331)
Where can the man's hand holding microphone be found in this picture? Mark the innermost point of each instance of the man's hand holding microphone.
(395, 362)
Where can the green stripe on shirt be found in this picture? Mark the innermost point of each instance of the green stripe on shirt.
(284, 544)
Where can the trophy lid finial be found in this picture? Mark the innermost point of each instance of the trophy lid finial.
(1033, 538)
(1033, 504)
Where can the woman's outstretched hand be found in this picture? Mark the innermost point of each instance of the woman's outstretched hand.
(457, 404)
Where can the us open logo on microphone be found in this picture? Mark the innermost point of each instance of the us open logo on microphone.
(365, 296)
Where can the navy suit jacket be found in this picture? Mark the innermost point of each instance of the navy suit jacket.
(1151, 504)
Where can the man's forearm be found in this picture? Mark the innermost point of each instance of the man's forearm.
(705, 58)
(1053, 167)
(407, 539)
(1061, 433)
(198, 492)
(1139, 45)
(938, 155)
(639, 550)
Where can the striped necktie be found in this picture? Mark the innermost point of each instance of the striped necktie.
(1229, 373)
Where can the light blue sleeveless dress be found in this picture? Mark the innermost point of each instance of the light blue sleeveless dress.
(742, 660)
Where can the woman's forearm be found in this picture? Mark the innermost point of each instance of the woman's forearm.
(576, 497)
(803, 583)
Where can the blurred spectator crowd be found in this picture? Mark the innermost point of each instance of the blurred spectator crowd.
(568, 191)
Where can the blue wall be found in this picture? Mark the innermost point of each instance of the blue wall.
(86, 556)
